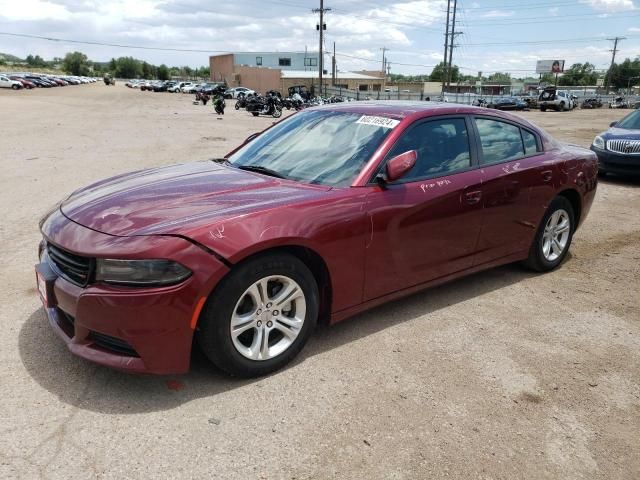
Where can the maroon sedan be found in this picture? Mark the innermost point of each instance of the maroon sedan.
(332, 211)
(25, 83)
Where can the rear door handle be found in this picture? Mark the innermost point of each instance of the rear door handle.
(471, 198)
(546, 175)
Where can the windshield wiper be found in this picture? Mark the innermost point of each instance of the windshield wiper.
(260, 169)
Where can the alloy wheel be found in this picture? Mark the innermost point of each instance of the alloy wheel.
(556, 235)
(268, 317)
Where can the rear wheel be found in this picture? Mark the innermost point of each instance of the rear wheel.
(543, 109)
(553, 238)
(260, 316)
(255, 114)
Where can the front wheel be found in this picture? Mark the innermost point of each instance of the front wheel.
(277, 113)
(15, 87)
(255, 114)
(260, 316)
(553, 238)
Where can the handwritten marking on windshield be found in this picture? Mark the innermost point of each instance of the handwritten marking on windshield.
(219, 234)
(437, 183)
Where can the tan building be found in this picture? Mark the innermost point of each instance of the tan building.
(260, 78)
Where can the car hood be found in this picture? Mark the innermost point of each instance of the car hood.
(179, 198)
(621, 133)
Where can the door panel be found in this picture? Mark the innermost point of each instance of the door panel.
(421, 231)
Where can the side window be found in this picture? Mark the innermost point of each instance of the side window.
(500, 141)
(530, 142)
(442, 147)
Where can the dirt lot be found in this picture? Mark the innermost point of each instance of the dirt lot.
(502, 375)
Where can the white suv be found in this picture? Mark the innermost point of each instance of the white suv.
(558, 100)
(6, 82)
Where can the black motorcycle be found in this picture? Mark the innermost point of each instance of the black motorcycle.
(219, 104)
(242, 100)
(591, 102)
(267, 105)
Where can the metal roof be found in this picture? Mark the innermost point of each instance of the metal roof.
(339, 76)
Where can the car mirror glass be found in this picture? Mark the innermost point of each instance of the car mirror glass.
(613, 124)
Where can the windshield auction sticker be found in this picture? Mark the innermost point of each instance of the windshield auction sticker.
(378, 121)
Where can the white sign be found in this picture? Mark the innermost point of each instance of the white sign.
(383, 122)
(550, 66)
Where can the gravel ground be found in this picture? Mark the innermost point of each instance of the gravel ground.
(502, 375)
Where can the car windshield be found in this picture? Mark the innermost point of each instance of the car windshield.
(631, 121)
(318, 146)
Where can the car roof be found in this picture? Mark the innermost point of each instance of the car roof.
(401, 109)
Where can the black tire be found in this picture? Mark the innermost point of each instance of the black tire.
(255, 114)
(237, 105)
(561, 108)
(277, 113)
(543, 109)
(213, 333)
(15, 87)
(536, 260)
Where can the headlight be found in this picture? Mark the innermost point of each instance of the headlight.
(138, 273)
(598, 142)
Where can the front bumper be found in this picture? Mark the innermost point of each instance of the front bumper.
(617, 162)
(138, 330)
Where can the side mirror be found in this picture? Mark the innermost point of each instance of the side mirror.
(399, 166)
(613, 124)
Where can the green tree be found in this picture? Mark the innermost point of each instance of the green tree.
(76, 63)
(499, 77)
(163, 72)
(36, 61)
(438, 71)
(113, 65)
(128, 67)
(579, 74)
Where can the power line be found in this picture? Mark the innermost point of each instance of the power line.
(103, 44)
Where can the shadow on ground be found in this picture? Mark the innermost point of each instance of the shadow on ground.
(91, 387)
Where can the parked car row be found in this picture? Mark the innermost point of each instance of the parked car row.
(17, 81)
(174, 86)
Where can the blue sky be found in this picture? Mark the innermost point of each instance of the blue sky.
(497, 35)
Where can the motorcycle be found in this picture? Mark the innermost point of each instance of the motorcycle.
(219, 104)
(242, 100)
(202, 97)
(267, 105)
(480, 102)
(591, 102)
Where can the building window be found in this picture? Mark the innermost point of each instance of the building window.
(284, 62)
(310, 62)
(363, 88)
(258, 60)
(376, 87)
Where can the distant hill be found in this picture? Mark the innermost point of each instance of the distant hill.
(11, 58)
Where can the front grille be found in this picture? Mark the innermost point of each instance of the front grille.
(113, 344)
(73, 267)
(627, 147)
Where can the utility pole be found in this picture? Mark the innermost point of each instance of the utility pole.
(384, 60)
(333, 66)
(451, 44)
(321, 28)
(446, 47)
(613, 59)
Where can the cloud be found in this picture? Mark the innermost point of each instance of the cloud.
(633, 29)
(499, 14)
(610, 5)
